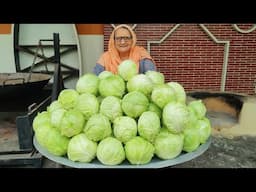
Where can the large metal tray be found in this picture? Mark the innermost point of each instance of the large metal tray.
(154, 163)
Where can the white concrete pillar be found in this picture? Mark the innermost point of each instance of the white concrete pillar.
(7, 62)
(91, 41)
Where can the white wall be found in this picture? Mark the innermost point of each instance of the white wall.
(7, 63)
(91, 48)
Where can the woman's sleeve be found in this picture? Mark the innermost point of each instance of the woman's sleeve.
(146, 65)
(98, 69)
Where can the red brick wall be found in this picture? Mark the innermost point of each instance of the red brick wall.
(189, 56)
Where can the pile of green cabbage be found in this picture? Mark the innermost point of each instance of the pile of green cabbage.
(128, 116)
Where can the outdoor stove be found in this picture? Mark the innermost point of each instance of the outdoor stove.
(16, 118)
(16, 146)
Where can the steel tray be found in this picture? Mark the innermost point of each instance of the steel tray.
(154, 163)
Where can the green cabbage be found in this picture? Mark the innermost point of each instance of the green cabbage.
(156, 77)
(124, 128)
(52, 140)
(205, 129)
(112, 85)
(149, 125)
(110, 151)
(98, 127)
(68, 98)
(41, 134)
(199, 108)
(140, 83)
(105, 74)
(192, 119)
(88, 83)
(56, 117)
(191, 139)
(42, 118)
(134, 104)
(162, 94)
(54, 105)
(127, 69)
(175, 117)
(88, 104)
(168, 145)
(81, 149)
(139, 151)
(111, 107)
(72, 123)
(180, 93)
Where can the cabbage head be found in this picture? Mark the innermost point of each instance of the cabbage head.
(140, 83)
(179, 91)
(199, 108)
(56, 117)
(57, 144)
(98, 127)
(88, 104)
(127, 69)
(88, 83)
(124, 128)
(81, 149)
(175, 117)
(168, 145)
(41, 119)
(156, 77)
(134, 104)
(41, 134)
(52, 140)
(163, 94)
(192, 119)
(205, 129)
(149, 125)
(72, 123)
(68, 98)
(191, 139)
(53, 106)
(139, 151)
(105, 74)
(112, 85)
(111, 107)
(110, 151)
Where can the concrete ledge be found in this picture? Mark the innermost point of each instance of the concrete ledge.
(231, 114)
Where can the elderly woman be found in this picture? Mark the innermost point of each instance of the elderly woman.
(122, 46)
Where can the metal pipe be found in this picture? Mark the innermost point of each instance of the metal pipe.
(58, 83)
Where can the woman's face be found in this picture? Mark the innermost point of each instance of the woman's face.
(123, 40)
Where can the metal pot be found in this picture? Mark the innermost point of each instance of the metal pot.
(18, 85)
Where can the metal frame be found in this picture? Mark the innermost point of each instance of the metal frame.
(68, 73)
(27, 154)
